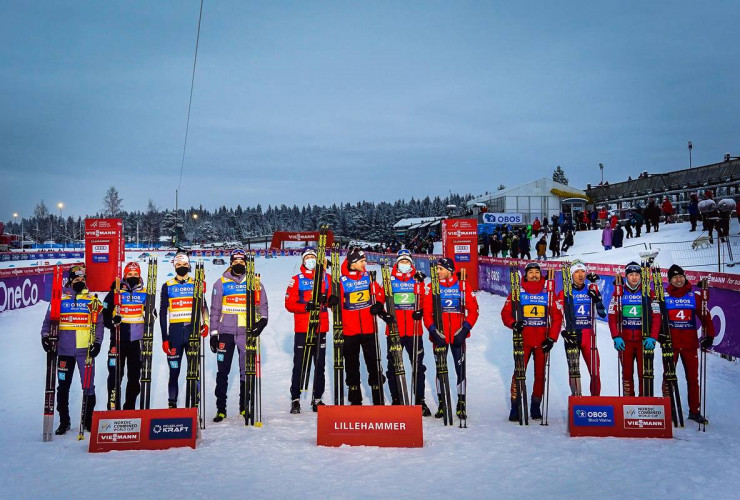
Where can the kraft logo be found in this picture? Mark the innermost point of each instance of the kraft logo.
(170, 428)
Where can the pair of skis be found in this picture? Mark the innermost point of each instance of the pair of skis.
(572, 349)
(147, 344)
(440, 353)
(337, 327)
(195, 388)
(51, 356)
(310, 352)
(252, 389)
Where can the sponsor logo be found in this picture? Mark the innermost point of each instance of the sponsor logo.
(100, 248)
(593, 416)
(15, 297)
(644, 416)
(170, 428)
(119, 430)
(174, 364)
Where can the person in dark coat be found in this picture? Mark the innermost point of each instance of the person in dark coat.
(555, 242)
(495, 245)
(524, 247)
(618, 236)
(568, 240)
(637, 221)
(693, 211)
(514, 248)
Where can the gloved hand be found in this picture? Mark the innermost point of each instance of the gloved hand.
(214, 342)
(116, 320)
(707, 342)
(46, 344)
(600, 309)
(376, 308)
(462, 334)
(518, 326)
(619, 344)
(204, 330)
(167, 350)
(547, 344)
(418, 314)
(436, 336)
(332, 301)
(95, 350)
(311, 306)
(594, 293)
(419, 276)
(592, 277)
(322, 299)
(258, 327)
(388, 318)
(649, 343)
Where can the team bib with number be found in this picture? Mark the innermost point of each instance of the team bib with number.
(356, 293)
(180, 300)
(450, 297)
(75, 316)
(632, 310)
(534, 308)
(132, 307)
(403, 294)
(681, 311)
(581, 309)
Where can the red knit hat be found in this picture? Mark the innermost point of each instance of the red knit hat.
(132, 267)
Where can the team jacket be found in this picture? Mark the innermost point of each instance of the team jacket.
(632, 316)
(175, 307)
(451, 293)
(683, 307)
(405, 291)
(299, 294)
(355, 301)
(534, 313)
(229, 305)
(131, 311)
(582, 306)
(74, 324)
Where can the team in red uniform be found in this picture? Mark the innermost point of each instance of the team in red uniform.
(458, 319)
(298, 300)
(407, 285)
(684, 306)
(627, 336)
(538, 337)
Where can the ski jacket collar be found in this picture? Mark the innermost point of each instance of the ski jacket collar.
(534, 286)
(449, 281)
(229, 276)
(679, 291)
(308, 274)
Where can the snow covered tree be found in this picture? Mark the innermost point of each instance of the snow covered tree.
(501, 187)
(173, 226)
(112, 203)
(559, 176)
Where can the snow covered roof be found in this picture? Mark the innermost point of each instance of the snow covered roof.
(540, 187)
(414, 221)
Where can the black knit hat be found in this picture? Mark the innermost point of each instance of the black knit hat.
(632, 267)
(532, 265)
(675, 270)
(355, 254)
(447, 263)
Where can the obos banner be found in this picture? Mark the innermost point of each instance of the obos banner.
(602, 416)
(491, 218)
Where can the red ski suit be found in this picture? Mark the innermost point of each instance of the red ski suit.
(355, 300)
(534, 336)
(632, 336)
(451, 321)
(681, 314)
(298, 294)
(405, 292)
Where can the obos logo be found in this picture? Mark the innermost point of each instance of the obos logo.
(593, 416)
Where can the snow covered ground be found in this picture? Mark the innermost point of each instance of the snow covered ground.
(492, 458)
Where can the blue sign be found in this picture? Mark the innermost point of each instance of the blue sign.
(462, 257)
(100, 258)
(170, 428)
(593, 416)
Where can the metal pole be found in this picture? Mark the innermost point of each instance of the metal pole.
(719, 253)
(690, 148)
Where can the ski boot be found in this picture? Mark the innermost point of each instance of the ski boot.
(64, 425)
(295, 407)
(534, 408)
(514, 413)
(698, 418)
(395, 401)
(375, 389)
(220, 415)
(425, 411)
(315, 405)
(354, 395)
(461, 413)
(172, 404)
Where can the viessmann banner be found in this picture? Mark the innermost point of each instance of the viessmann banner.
(724, 293)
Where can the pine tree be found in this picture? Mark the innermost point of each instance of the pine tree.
(559, 176)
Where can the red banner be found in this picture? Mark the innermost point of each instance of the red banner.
(460, 243)
(386, 426)
(613, 416)
(143, 429)
(104, 252)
